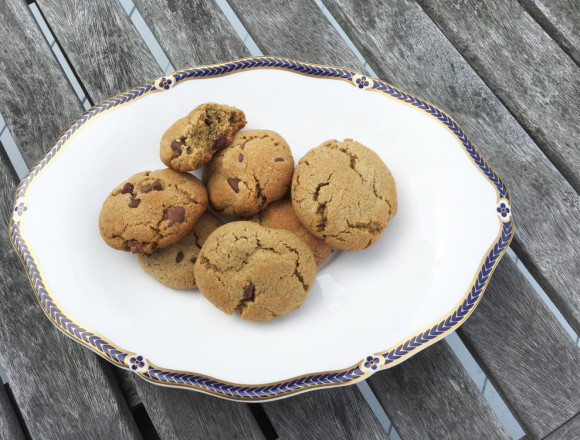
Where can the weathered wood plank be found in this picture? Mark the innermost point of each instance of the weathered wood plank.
(404, 46)
(62, 390)
(570, 430)
(104, 48)
(520, 345)
(421, 404)
(524, 67)
(301, 31)
(30, 71)
(334, 413)
(192, 33)
(188, 414)
(9, 426)
(560, 19)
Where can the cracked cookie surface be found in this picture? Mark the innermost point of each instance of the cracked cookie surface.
(192, 141)
(151, 210)
(280, 215)
(259, 272)
(344, 193)
(172, 266)
(254, 170)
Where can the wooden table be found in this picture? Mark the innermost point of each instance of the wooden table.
(507, 70)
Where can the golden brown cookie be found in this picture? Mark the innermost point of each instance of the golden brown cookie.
(192, 141)
(172, 266)
(280, 215)
(259, 272)
(253, 171)
(344, 193)
(151, 210)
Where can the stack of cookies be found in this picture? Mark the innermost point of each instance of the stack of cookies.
(340, 194)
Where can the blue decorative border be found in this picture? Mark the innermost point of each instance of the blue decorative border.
(214, 386)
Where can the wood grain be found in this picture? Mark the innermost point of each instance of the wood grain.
(405, 47)
(330, 413)
(9, 426)
(296, 29)
(421, 404)
(561, 20)
(570, 430)
(192, 33)
(524, 67)
(527, 355)
(62, 390)
(188, 414)
(104, 48)
(31, 79)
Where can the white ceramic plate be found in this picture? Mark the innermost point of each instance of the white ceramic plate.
(367, 311)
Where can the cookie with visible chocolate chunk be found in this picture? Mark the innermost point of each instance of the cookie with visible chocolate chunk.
(280, 215)
(151, 210)
(344, 193)
(192, 141)
(259, 272)
(253, 171)
(172, 266)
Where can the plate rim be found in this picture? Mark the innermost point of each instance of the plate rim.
(361, 370)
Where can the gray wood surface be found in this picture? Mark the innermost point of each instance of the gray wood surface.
(186, 414)
(62, 390)
(333, 413)
(29, 71)
(447, 404)
(570, 430)
(192, 33)
(403, 46)
(296, 29)
(537, 81)
(9, 426)
(532, 362)
(104, 48)
(561, 20)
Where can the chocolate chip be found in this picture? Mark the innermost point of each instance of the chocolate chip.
(175, 213)
(151, 187)
(249, 291)
(279, 159)
(177, 145)
(135, 246)
(134, 202)
(127, 188)
(193, 259)
(243, 145)
(234, 184)
(240, 157)
(207, 121)
(220, 142)
(179, 257)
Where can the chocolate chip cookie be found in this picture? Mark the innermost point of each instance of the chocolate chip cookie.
(151, 210)
(280, 215)
(172, 266)
(253, 171)
(344, 193)
(259, 272)
(192, 141)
